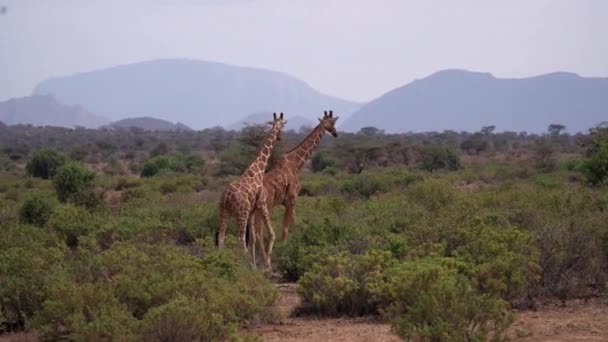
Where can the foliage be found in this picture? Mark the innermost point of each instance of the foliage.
(72, 179)
(430, 299)
(438, 157)
(425, 251)
(595, 167)
(45, 163)
(321, 161)
(340, 284)
(180, 163)
(36, 210)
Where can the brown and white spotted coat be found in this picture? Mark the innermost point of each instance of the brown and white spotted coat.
(282, 184)
(242, 196)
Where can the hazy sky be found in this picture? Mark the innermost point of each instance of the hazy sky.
(352, 49)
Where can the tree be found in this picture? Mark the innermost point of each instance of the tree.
(487, 130)
(438, 157)
(36, 210)
(71, 179)
(371, 131)
(357, 155)
(44, 163)
(555, 129)
(595, 167)
(321, 161)
(476, 143)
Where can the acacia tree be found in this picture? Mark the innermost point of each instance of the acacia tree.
(555, 129)
(356, 155)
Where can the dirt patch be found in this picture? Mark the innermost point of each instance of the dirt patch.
(577, 321)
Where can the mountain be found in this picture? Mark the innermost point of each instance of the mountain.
(149, 124)
(293, 122)
(464, 100)
(197, 93)
(45, 110)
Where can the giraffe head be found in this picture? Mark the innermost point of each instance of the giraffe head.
(329, 122)
(278, 122)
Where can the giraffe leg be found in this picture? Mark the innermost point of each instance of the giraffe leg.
(259, 230)
(288, 218)
(221, 232)
(243, 219)
(271, 235)
(252, 239)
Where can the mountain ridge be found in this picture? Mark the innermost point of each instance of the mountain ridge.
(198, 93)
(458, 99)
(149, 124)
(45, 110)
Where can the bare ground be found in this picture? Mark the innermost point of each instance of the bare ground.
(578, 321)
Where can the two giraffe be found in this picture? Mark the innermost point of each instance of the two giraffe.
(280, 186)
(246, 194)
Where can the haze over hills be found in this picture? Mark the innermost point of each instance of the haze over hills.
(43, 110)
(293, 122)
(464, 100)
(200, 94)
(149, 124)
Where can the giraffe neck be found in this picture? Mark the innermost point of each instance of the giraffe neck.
(301, 153)
(258, 166)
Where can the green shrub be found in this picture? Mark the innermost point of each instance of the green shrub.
(321, 161)
(573, 165)
(433, 158)
(504, 260)
(546, 181)
(124, 183)
(363, 185)
(429, 300)
(339, 284)
(184, 320)
(71, 179)
(595, 167)
(180, 163)
(45, 163)
(72, 222)
(36, 210)
(28, 256)
(235, 158)
(87, 312)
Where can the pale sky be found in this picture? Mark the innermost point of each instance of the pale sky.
(347, 48)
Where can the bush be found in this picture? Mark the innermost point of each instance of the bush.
(595, 167)
(438, 157)
(364, 186)
(235, 158)
(431, 300)
(340, 284)
(321, 161)
(28, 256)
(71, 223)
(72, 179)
(173, 163)
(36, 210)
(87, 312)
(45, 163)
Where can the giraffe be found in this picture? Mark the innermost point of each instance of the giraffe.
(282, 184)
(246, 194)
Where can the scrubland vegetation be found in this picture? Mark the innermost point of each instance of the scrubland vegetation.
(108, 234)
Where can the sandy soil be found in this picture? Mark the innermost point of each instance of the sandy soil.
(577, 321)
